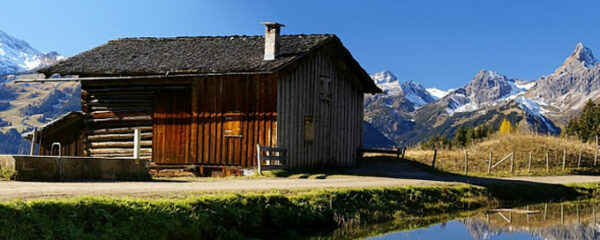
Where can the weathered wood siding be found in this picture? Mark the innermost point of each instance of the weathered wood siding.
(171, 122)
(69, 135)
(338, 120)
(172, 134)
(251, 99)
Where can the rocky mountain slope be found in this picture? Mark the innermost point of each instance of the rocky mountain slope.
(391, 112)
(23, 106)
(541, 105)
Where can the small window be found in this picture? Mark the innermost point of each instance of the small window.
(232, 126)
(325, 88)
(309, 128)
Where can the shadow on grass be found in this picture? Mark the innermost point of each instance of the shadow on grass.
(503, 189)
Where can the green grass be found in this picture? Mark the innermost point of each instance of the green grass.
(522, 145)
(265, 214)
(228, 216)
(6, 174)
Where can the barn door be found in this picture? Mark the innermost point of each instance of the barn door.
(171, 127)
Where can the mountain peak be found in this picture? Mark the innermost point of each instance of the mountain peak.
(17, 56)
(581, 55)
(488, 74)
(384, 77)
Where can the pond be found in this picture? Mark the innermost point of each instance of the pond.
(564, 220)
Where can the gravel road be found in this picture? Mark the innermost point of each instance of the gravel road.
(378, 175)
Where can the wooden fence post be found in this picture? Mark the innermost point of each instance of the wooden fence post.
(579, 159)
(547, 163)
(466, 163)
(490, 164)
(594, 213)
(403, 152)
(529, 162)
(434, 156)
(512, 162)
(564, 158)
(562, 214)
(33, 141)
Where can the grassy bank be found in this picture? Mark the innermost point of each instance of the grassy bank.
(228, 216)
(256, 215)
(453, 160)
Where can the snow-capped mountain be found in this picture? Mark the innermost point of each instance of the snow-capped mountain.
(23, 106)
(487, 89)
(540, 105)
(564, 92)
(391, 111)
(409, 91)
(18, 56)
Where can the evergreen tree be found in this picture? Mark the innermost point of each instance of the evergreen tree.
(587, 126)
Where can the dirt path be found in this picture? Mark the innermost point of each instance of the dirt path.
(376, 174)
(26, 190)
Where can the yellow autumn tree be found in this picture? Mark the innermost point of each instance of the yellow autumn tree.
(505, 127)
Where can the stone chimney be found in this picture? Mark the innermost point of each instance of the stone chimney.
(271, 40)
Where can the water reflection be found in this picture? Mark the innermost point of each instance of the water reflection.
(567, 220)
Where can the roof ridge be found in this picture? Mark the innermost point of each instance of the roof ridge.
(213, 37)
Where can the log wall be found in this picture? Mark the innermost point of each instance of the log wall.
(170, 134)
(337, 116)
(113, 112)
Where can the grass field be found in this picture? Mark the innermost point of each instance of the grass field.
(522, 145)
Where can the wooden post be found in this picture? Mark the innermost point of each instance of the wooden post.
(512, 162)
(545, 211)
(398, 152)
(33, 139)
(577, 209)
(137, 141)
(466, 163)
(403, 152)
(596, 155)
(258, 159)
(434, 156)
(529, 162)
(564, 158)
(579, 159)
(562, 214)
(594, 213)
(490, 164)
(547, 163)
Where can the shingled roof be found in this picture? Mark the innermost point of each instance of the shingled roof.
(129, 56)
(200, 55)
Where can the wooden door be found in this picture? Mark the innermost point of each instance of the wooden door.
(171, 125)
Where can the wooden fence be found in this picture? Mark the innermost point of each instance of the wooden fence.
(399, 152)
(491, 164)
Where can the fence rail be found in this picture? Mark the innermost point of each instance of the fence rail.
(558, 162)
(399, 152)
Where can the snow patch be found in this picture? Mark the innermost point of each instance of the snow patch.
(525, 85)
(438, 93)
(531, 107)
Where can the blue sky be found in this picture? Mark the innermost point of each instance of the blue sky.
(436, 43)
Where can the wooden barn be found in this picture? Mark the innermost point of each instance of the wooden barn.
(209, 101)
